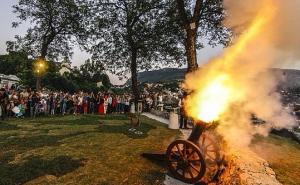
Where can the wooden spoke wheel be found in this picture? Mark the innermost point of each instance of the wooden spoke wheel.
(211, 153)
(185, 161)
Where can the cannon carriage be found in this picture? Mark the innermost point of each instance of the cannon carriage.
(199, 157)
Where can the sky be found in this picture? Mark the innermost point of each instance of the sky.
(7, 33)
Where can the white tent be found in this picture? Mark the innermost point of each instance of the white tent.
(8, 80)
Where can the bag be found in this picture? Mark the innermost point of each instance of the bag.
(16, 110)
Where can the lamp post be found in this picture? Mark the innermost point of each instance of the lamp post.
(40, 67)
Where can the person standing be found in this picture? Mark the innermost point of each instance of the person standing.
(75, 102)
(183, 117)
(35, 102)
(85, 104)
(101, 105)
(44, 105)
(114, 104)
(52, 104)
(48, 105)
(122, 104)
(105, 103)
(3, 102)
(126, 105)
(79, 103)
(109, 104)
(64, 105)
(92, 101)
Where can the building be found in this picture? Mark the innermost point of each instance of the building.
(65, 66)
(7, 81)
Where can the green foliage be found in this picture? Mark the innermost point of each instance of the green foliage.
(77, 80)
(17, 63)
(124, 27)
(56, 25)
(208, 17)
(94, 72)
(14, 62)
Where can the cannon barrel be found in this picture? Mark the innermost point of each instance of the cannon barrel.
(199, 128)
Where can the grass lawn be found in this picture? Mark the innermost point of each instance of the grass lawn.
(86, 150)
(283, 156)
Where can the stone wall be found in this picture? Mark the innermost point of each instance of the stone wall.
(246, 168)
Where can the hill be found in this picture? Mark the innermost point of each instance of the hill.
(291, 76)
(161, 75)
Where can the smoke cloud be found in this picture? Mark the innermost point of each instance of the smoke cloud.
(268, 33)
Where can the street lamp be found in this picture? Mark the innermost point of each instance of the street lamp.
(39, 67)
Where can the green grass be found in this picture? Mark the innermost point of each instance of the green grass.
(81, 150)
(283, 156)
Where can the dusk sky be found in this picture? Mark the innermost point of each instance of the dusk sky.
(8, 33)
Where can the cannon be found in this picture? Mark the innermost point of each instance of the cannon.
(195, 159)
(189, 160)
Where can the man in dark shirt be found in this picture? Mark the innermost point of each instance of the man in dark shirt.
(35, 103)
(3, 102)
(70, 105)
(183, 116)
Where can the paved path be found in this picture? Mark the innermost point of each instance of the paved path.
(157, 118)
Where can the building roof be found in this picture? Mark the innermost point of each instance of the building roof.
(9, 77)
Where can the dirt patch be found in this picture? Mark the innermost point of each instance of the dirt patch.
(246, 168)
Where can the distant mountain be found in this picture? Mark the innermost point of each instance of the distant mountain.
(161, 75)
(292, 76)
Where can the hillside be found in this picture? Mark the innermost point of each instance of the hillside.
(291, 76)
(161, 75)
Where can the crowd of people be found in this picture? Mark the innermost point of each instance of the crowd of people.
(28, 103)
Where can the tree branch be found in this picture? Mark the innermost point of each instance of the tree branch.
(182, 13)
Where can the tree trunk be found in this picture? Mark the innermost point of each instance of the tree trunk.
(44, 49)
(38, 83)
(191, 52)
(39, 77)
(190, 25)
(134, 80)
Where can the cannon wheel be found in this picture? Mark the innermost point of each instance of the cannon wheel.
(185, 161)
(211, 153)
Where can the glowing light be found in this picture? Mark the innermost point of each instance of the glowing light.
(40, 66)
(214, 96)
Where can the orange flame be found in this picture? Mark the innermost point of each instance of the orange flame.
(218, 89)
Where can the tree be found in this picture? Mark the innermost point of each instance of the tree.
(54, 22)
(13, 62)
(94, 72)
(17, 63)
(57, 25)
(134, 35)
(201, 18)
